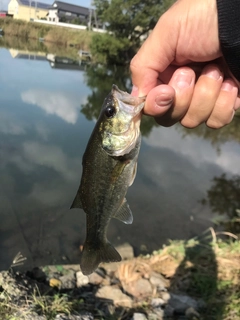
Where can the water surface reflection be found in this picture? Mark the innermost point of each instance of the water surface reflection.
(46, 117)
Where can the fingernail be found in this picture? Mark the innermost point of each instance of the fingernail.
(134, 91)
(212, 72)
(183, 79)
(163, 101)
(228, 85)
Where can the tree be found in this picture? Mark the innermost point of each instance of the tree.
(128, 23)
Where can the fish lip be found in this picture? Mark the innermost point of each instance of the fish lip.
(129, 104)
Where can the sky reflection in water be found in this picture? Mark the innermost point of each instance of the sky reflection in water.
(43, 136)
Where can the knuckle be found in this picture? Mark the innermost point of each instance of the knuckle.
(189, 122)
(214, 124)
(217, 122)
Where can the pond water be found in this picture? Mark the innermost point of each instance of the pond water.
(48, 108)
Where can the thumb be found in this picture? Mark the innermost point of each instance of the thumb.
(155, 55)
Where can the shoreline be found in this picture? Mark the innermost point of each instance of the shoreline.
(80, 39)
(198, 279)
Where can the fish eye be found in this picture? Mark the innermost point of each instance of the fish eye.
(110, 111)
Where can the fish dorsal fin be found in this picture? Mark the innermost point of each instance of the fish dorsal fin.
(133, 174)
(77, 202)
(124, 213)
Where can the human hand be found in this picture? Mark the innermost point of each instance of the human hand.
(181, 70)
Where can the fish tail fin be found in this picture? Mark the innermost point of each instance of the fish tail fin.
(91, 257)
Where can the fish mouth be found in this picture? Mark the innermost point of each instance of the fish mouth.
(129, 104)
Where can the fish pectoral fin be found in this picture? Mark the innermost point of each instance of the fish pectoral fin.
(124, 213)
(133, 174)
(77, 202)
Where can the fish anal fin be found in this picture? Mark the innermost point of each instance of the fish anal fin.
(124, 213)
(77, 202)
(91, 257)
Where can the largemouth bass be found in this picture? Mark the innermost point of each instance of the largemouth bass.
(109, 168)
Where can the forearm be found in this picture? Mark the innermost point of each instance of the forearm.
(229, 33)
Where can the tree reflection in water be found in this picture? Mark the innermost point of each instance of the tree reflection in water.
(217, 137)
(224, 198)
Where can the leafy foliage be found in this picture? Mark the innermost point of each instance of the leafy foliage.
(128, 23)
(109, 49)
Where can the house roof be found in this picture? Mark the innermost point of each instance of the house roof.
(69, 7)
(35, 4)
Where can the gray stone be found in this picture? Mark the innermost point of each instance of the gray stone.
(181, 303)
(159, 312)
(201, 304)
(153, 316)
(168, 311)
(68, 281)
(28, 316)
(82, 280)
(139, 316)
(191, 313)
(82, 316)
(139, 288)
(115, 295)
(126, 251)
(158, 281)
(11, 286)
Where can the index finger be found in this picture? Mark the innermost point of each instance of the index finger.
(155, 55)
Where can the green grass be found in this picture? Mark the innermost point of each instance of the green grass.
(206, 267)
(54, 34)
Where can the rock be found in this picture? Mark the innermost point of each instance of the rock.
(138, 288)
(82, 280)
(68, 280)
(191, 313)
(18, 285)
(157, 302)
(158, 281)
(82, 316)
(201, 304)
(11, 286)
(181, 303)
(126, 251)
(115, 295)
(95, 278)
(53, 282)
(159, 312)
(153, 316)
(28, 316)
(139, 316)
(165, 296)
(168, 311)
